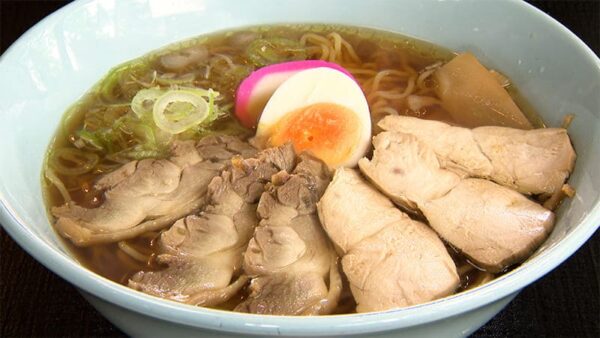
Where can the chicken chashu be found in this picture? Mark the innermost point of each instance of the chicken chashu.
(150, 194)
(291, 259)
(390, 260)
(536, 161)
(493, 225)
(203, 253)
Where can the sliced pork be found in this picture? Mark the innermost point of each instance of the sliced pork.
(292, 262)
(493, 225)
(203, 253)
(150, 194)
(390, 260)
(529, 161)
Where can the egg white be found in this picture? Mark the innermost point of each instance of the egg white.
(319, 85)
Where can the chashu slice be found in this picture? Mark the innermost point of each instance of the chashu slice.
(530, 161)
(406, 170)
(149, 195)
(394, 261)
(290, 258)
(203, 253)
(493, 225)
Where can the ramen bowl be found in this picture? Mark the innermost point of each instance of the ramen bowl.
(60, 58)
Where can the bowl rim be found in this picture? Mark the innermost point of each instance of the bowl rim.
(233, 322)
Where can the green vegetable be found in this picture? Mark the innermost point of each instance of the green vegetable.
(174, 117)
(145, 133)
(147, 127)
(173, 79)
(144, 100)
(181, 109)
(137, 152)
(90, 138)
(104, 116)
(263, 52)
(118, 85)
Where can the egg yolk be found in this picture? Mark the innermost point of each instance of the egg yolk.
(327, 130)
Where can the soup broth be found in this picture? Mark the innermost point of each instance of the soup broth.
(102, 122)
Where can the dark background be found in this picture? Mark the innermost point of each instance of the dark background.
(565, 303)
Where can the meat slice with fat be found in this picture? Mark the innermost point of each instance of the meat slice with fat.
(291, 261)
(530, 161)
(150, 194)
(493, 225)
(390, 260)
(203, 253)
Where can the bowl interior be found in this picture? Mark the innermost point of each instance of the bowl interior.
(63, 56)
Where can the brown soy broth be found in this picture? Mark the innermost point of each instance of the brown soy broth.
(106, 102)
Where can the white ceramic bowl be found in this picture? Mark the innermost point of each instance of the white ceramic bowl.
(61, 57)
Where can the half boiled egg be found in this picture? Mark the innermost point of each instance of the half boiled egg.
(319, 110)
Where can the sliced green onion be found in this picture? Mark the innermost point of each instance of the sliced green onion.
(112, 86)
(90, 138)
(104, 116)
(263, 52)
(144, 100)
(80, 162)
(186, 118)
(108, 139)
(137, 152)
(145, 133)
(173, 79)
(199, 91)
(142, 154)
